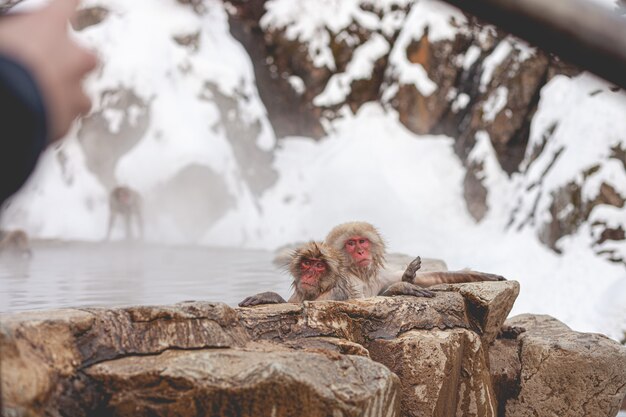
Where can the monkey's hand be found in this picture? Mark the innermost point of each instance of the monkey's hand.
(411, 269)
(262, 298)
(406, 288)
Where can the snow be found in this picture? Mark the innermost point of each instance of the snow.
(495, 103)
(431, 18)
(360, 67)
(297, 84)
(491, 62)
(460, 102)
(310, 21)
(369, 167)
(578, 153)
(471, 55)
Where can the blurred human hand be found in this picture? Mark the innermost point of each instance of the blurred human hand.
(40, 41)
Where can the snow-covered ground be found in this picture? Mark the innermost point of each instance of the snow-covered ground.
(369, 167)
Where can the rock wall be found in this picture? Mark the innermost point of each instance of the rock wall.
(399, 356)
(445, 72)
(473, 77)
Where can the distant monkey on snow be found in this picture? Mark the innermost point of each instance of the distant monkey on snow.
(127, 204)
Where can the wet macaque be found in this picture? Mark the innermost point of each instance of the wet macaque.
(363, 252)
(125, 203)
(15, 243)
(317, 273)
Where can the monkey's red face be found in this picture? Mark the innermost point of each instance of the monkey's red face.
(358, 247)
(124, 197)
(312, 270)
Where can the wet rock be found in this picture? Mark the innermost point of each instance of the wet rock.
(355, 320)
(148, 330)
(487, 304)
(232, 382)
(505, 368)
(329, 344)
(566, 373)
(442, 373)
(43, 352)
(37, 351)
(198, 357)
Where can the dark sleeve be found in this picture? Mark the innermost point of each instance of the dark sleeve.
(23, 130)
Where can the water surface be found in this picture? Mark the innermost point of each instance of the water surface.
(76, 274)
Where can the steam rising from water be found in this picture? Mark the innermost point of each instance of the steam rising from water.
(62, 274)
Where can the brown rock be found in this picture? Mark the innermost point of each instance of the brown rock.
(566, 373)
(36, 351)
(329, 344)
(231, 382)
(355, 320)
(505, 368)
(148, 330)
(163, 360)
(442, 373)
(42, 351)
(488, 304)
(419, 113)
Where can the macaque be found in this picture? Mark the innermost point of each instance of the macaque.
(363, 251)
(125, 202)
(15, 243)
(319, 274)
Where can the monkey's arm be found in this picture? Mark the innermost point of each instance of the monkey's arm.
(427, 279)
(262, 298)
(406, 288)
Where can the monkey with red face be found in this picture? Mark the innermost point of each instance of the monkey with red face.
(319, 274)
(125, 202)
(363, 251)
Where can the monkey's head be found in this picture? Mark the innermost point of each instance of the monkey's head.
(361, 246)
(315, 268)
(16, 244)
(123, 195)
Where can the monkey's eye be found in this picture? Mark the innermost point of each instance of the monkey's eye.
(350, 242)
(306, 262)
(320, 265)
(362, 241)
